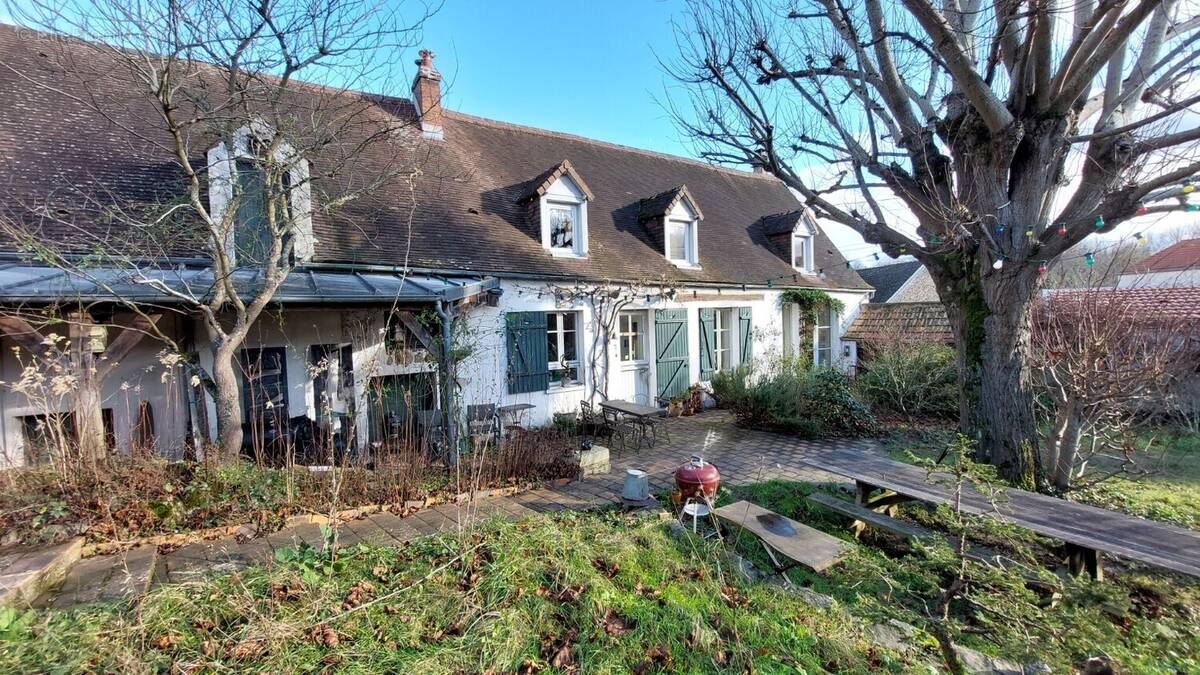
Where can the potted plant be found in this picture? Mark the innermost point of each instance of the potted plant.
(675, 406)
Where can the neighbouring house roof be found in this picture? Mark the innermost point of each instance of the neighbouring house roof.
(464, 211)
(33, 283)
(910, 320)
(1184, 255)
(1149, 303)
(887, 279)
(878, 322)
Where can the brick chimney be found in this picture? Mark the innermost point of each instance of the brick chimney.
(427, 96)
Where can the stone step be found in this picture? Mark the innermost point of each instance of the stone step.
(104, 578)
(25, 573)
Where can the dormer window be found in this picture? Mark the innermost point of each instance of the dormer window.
(267, 186)
(564, 217)
(672, 220)
(802, 249)
(560, 211)
(681, 242)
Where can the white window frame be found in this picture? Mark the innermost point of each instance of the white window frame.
(565, 193)
(689, 241)
(726, 345)
(627, 334)
(559, 335)
(222, 171)
(830, 319)
(804, 240)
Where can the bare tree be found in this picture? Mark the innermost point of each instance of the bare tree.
(1008, 131)
(211, 89)
(1101, 357)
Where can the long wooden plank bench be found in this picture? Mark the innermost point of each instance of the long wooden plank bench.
(911, 531)
(1086, 530)
(798, 542)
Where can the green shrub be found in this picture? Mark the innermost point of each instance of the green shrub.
(791, 397)
(913, 379)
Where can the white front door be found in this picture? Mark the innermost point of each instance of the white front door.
(633, 380)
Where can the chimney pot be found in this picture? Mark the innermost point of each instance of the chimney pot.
(427, 96)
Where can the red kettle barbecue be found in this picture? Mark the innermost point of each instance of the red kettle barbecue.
(697, 478)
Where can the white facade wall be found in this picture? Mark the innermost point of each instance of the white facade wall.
(141, 376)
(482, 374)
(1173, 279)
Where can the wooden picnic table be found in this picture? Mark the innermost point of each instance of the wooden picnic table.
(1086, 530)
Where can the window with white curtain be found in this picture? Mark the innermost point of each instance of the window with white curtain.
(823, 339)
(562, 347)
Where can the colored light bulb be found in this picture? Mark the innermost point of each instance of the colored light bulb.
(998, 264)
(1099, 222)
(1062, 228)
(1042, 268)
(1089, 259)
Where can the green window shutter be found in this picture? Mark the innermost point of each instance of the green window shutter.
(708, 340)
(671, 351)
(746, 331)
(528, 367)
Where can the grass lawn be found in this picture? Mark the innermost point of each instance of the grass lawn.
(600, 593)
(1144, 620)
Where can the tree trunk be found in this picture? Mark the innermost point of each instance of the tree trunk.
(228, 399)
(88, 415)
(1008, 431)
(1067, 448)
(992, 350)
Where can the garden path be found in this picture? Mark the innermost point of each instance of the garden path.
(743, 456)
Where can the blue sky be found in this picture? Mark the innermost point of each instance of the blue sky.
(587, 68)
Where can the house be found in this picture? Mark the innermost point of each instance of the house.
(1176, 265)
(907, 281)
(524, 237)
(904, 307)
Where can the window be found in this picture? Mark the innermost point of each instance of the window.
(631, 330)
(724, 340)
(680, 234)
(564, 219)
(48, 434)
(802, 251)
(561, 347)
(252, 232)
(264, 388)
(823, 339)
(244, 178)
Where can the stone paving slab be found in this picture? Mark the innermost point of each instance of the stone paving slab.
(105, 578)
(25, 573)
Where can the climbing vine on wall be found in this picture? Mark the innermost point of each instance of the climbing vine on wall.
(808, 302)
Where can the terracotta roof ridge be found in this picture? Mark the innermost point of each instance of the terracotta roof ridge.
(486, 121)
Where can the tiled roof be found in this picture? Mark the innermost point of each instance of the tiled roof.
(887, 279)
(1149, 303)
(883, 322)
(464, 213)
(927, 320)
(782, 223)
(1184, 255)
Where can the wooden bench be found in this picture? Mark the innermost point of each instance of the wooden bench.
(804, 545)
(1085, 530)
(864, 517)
